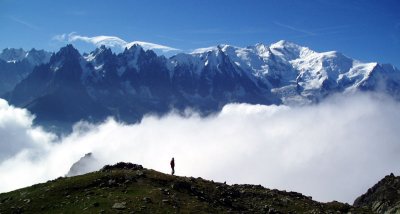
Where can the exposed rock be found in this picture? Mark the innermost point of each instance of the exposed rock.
(147, 200)
(122, 165)
(111, 182)
(140, 173)
(119, 206)
(383, 197)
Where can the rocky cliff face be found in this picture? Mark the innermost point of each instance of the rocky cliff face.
(383, 197)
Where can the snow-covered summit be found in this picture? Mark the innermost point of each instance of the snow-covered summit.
(292, 70)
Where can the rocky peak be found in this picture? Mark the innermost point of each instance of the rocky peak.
(36, 57)
(133, 51)
(101, 49)
(65, 67)
(100, 55)
(131, 55)
(66, 53)
(12, 54)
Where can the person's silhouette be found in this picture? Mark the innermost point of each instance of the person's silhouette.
(172, 163)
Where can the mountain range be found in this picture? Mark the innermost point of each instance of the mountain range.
(65, 87)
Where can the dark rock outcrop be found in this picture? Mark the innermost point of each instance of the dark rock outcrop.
(383, 197)
(122, 165)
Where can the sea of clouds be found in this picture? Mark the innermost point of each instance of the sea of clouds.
(334, 150)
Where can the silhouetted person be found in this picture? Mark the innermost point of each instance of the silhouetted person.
(172, 166)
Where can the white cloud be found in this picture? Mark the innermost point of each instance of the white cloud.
(20, 146)
(109, 41)
(112, 41)
(151, 46)
(17, 133)
(60, 37)
(332, 151)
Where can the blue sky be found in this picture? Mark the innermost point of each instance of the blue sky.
(368, 30)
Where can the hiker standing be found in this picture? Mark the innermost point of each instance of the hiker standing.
(172, 163)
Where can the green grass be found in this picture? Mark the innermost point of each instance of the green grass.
(149, 191)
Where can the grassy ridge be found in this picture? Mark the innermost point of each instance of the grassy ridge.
(124, 189)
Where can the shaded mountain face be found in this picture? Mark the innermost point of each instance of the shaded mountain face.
(55, 94)
(128, 85)
(16, 64)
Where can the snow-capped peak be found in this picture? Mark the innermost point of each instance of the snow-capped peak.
(97, 52)
(289, 51)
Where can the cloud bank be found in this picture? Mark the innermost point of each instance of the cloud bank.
(112, 42)
(331, 151)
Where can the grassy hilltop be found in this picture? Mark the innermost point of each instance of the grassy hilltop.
(130, 188)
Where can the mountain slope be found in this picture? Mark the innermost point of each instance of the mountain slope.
(55, 94)
(127, 188)
(16, 64)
